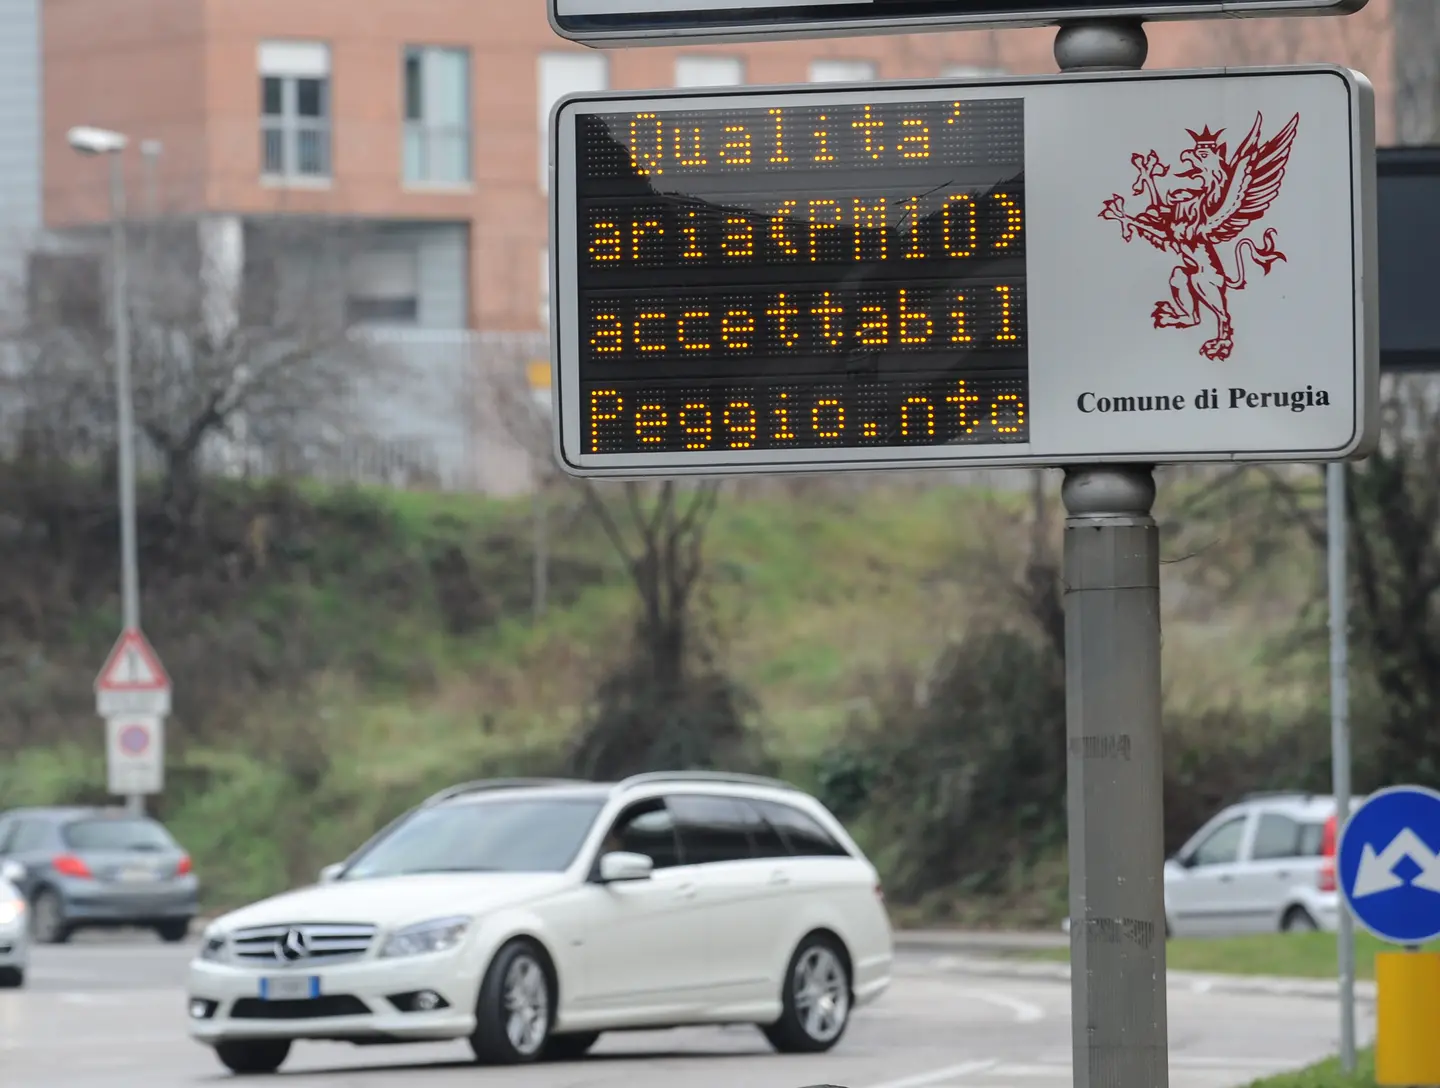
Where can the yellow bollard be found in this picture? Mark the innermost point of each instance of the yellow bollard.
(1407, 996)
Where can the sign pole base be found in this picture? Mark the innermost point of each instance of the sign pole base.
(1115, 779)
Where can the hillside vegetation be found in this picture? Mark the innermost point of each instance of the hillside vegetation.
(338, 654)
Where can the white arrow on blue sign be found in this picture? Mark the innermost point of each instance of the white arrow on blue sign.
(1388, 864)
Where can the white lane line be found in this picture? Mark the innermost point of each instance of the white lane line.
(938, 1076)
(1026, 1012)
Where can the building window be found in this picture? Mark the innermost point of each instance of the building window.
(384, 287)
(562, 74)
(693, 71)
(437, 116)
(295, 110)
(841, 71)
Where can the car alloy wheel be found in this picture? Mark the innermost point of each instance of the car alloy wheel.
(47, 919)
(814, 999)
(527, 1005)
(822, 993)
(515, 1008)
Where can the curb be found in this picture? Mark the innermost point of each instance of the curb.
(996, 965)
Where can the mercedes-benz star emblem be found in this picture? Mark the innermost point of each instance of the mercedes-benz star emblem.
(292, 946)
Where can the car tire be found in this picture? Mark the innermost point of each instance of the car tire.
(1298, 920)
(515, 1008)
(12, 978)
(253, 1056)
(174, 931)
(571, 1046)
(47, 919)
(816, 998)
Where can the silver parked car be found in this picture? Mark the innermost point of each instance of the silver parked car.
(14, 940)
(82, 868)
(1261, 865)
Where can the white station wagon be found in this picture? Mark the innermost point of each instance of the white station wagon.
(529, 916)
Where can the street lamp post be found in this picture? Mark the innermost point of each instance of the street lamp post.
(96, 141)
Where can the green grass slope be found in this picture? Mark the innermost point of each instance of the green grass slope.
(338, 654)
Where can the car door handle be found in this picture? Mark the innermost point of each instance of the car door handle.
(1226, 878)
(685, 891)
(779, 876)
(1283, 874)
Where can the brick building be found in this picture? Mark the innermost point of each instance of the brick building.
(424, 119)
(427, 115)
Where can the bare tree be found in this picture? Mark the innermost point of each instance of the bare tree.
(237, 332)
(665, 700)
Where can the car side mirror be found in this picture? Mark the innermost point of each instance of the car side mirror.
(331, 873)
(12, 871)
(623, 865)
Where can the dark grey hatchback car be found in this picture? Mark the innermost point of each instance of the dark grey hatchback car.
(86, 868)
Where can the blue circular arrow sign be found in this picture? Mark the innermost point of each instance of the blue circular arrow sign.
(1388, 864)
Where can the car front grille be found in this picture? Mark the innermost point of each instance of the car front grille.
(301, 944)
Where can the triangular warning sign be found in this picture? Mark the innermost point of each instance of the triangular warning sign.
(132, 665)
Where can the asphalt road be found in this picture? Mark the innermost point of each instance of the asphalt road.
(112, 1015)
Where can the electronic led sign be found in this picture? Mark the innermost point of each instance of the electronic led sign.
(676, 22)
(1030, 271)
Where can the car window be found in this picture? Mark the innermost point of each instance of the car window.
(1221, 846)
(1281, 837)
(802, 833)
(30, 835)
(765, 841)
(8, 824)
(712, 829)
(646, 828)
(531, 835)
(116, 834)
(1312, 840)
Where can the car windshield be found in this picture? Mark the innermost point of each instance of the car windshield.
(533, 835)
(116, 834)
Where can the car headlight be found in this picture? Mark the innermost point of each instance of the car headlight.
(212, 947)
(10, 910)
(437, 935)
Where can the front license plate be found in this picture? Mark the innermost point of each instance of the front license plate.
(294, 988)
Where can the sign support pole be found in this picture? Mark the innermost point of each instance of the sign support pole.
(1119, 1025)
(1337, 529)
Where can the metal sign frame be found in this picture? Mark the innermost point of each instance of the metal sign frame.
(793, 24)
(565, 320)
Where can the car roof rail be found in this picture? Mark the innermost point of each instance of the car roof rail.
(719, 777)
(1270, 795)
(480, 785)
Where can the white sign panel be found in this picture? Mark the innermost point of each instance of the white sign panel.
(677, 22)
(135, 754)
(132, 680)
(1120, 267)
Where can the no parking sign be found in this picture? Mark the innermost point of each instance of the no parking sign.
(135, 748)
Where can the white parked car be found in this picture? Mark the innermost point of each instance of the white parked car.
(14, 928)
(1264, 864)
(528, 916)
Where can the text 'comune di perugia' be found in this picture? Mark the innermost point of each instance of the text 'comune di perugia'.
(1207, 399)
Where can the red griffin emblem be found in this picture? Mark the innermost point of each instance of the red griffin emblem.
(1229, 195)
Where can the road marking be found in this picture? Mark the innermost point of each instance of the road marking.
(1026, 1012)
(938, 1076)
